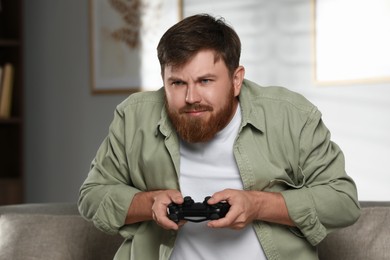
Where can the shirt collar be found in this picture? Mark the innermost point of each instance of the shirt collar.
(251, 114)
(164, 125)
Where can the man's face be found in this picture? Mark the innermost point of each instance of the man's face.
(201, 96)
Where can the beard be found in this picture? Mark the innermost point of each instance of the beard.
(198, 129)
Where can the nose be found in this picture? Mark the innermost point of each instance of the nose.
(193, 96)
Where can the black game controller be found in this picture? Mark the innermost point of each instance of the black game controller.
(197, 211)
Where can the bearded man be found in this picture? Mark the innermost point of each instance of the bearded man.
(210, 132)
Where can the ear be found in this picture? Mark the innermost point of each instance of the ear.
(238, 78)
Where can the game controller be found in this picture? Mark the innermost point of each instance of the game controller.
(197, 211)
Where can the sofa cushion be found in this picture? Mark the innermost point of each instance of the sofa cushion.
(368, 238)
(61, 237)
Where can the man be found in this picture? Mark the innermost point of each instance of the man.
(209, 131)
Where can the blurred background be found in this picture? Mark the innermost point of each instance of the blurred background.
(65, 123)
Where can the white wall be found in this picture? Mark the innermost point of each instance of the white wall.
(276, 38)
(65, 123)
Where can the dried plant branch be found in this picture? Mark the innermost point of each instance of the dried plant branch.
(131, 12)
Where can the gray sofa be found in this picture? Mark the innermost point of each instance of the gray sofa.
(56, 231)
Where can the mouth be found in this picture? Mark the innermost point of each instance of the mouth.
(195, 111)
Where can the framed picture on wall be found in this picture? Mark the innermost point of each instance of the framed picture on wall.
(123, 39)
(351, 41)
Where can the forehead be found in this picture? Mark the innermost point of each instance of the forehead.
(202, 62)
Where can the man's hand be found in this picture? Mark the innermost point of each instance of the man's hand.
(247, 206)
(160, 205)
(152, 205)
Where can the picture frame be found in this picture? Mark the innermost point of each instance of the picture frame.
(123, 39)
(350, 41)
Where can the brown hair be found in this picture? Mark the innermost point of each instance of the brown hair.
(195, 33)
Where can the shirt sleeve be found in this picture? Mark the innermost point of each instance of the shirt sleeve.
(107, 192)
(327, 200)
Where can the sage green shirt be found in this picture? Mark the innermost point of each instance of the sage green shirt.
(282, 146)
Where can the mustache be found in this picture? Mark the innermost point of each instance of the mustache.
(195, 107)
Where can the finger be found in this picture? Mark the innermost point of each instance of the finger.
(181, 223)
(159, 208)
(227, 222)
(177, 198)
(218, 197)
(220, 223)
(168, 197)
(163, 221)
(168, 224)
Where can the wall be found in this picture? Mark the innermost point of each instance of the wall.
(65, 123)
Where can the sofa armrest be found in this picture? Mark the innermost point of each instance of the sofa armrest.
(41, 208)
(368, 238)
(52, 231)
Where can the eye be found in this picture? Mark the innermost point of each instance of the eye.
(178, 83)
(205, 81)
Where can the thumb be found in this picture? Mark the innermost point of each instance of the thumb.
(217, 197)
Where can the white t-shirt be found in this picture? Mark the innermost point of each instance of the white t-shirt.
(206, 168)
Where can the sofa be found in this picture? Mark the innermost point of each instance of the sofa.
(56, 231)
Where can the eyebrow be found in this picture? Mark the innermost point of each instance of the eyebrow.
(206, 76)
(173, 79)
(209, 75)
